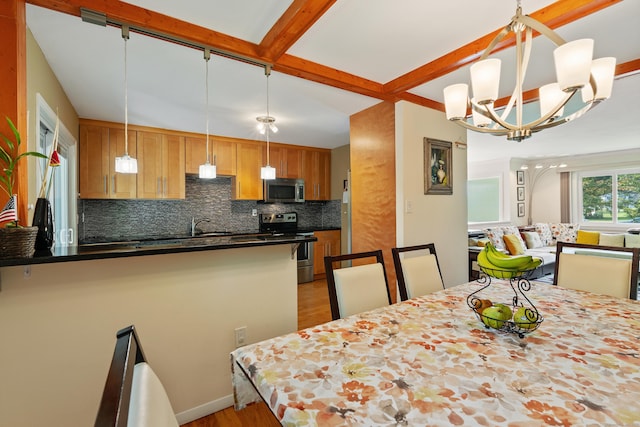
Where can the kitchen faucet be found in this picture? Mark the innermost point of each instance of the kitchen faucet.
(195, 223)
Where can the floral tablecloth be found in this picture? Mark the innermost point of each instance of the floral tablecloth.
(430, 362)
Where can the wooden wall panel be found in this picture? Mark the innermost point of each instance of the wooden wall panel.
(373, 183)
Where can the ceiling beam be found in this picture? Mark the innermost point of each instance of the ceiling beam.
(292, 25)
(555, 15)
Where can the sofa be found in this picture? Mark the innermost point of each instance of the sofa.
(539, 240)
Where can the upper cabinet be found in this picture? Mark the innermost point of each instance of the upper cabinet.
(221, 151)
(161, 166)
(99, 147)
(316, 169)
(287, 160)
(247, 185)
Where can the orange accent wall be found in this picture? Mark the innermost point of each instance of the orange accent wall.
(373, 183)
(13, 87)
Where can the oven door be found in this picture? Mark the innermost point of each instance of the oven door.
(305, 261)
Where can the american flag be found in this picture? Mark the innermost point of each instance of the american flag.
(9, 212)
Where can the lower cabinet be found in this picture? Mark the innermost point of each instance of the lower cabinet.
(328, 244)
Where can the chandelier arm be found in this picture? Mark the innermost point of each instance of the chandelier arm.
(525, 61)
(497, 39)
(541, 28)
(464, 124)
(566, 119)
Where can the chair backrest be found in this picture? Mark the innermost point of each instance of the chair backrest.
(604, 270)
(359, 288)
(133, 395)
(418, 275)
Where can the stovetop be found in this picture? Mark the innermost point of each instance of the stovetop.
(283, 223)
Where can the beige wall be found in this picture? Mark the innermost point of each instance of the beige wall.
(441, 219)
(58, 325)
(41, 79)
(339, 168)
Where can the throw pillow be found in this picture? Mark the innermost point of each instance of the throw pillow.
(512, 229)
(616, 240)
(632, 240)
(545, 233)
(495, 237)
(588, 237)
(483, 242)
(532, 239)
(564, 232)
(513, 244)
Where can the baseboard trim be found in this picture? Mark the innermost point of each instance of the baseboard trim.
(205, 409)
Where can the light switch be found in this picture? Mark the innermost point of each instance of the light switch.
(408, 206)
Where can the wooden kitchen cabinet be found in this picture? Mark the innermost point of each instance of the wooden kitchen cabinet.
(328, 244)
(99, 147)
(222, 151)
(161, 166)
(287, 160)
(316, 168)
(247, 185)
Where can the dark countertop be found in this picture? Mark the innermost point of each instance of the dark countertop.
(155, 247)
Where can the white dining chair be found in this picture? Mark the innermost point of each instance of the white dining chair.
(358, 288)
(133, 395)
(603, 270)
(417, 275)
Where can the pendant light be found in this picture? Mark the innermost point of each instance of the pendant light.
(265, 125)
(208, 170)
(126, 164)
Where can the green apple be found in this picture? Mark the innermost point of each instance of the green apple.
(506, 311)
(525, 318)
(495, 316)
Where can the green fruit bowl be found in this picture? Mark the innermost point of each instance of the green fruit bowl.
(517, 320)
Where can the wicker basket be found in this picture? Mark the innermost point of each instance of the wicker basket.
(17, 242)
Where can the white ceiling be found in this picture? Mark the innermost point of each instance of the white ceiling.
(373, 39)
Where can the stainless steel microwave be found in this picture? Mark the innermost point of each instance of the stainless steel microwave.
(283, 190)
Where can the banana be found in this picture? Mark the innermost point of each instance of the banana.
(486, 260)
(505, 261)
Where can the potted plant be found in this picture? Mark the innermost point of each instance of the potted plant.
(16, 241)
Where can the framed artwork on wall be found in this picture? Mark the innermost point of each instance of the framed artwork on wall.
(520, 194)
(520, 209)
(520, 177)
(437, 167)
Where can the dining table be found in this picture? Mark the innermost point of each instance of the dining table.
(431, 361)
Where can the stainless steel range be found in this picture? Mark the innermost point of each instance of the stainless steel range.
(287, 224)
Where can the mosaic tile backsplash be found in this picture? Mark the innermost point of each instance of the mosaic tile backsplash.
(112, 220)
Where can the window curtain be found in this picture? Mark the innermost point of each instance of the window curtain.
(565, 197)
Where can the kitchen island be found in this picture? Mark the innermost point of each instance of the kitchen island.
(59, 314)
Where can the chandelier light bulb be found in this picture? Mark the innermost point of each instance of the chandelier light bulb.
(573, 64)
(550, 96)
(485, 80)
(455, 101)
(603, 71)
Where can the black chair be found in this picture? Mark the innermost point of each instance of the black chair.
(133, 394)
(417, 275)
(607, 270)
(359, 288)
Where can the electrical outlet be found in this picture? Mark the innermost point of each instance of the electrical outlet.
(254, 212)
(241, 336)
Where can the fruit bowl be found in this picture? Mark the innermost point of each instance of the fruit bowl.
(506, 274)
(516, 319)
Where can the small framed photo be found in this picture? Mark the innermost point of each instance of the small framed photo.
(520, 177)
(437, 167)
(520, 209)
(520, 194)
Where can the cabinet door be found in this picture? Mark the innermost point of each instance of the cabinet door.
(225, 157)
(149, 175)
(94, 162)
(328, 244)
(323, 175)
(316, 166)
(247, 183)
(173, 164)
(121, 185)
(195, 154)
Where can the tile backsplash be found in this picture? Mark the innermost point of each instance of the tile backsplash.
(111, 220)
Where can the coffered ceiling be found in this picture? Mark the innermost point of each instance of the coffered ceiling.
(330, 59)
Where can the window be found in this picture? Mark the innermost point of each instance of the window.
(483, 198)
(609, 197)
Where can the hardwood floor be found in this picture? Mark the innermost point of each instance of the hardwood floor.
(313, 309)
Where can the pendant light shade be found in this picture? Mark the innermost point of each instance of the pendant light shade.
(126, 164)
(265, 127)
(207, 170)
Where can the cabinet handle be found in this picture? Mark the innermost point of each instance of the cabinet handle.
(164, 186)
(104, 184)
(113, 184)
(159, 186)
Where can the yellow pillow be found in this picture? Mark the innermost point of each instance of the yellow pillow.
(588, 237)
(483, 242)
(513, 244)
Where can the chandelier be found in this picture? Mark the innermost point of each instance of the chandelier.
(575, 71)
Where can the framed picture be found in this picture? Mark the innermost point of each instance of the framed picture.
(437, 167)
(520, 194)
(520, 209)
(520, 177)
